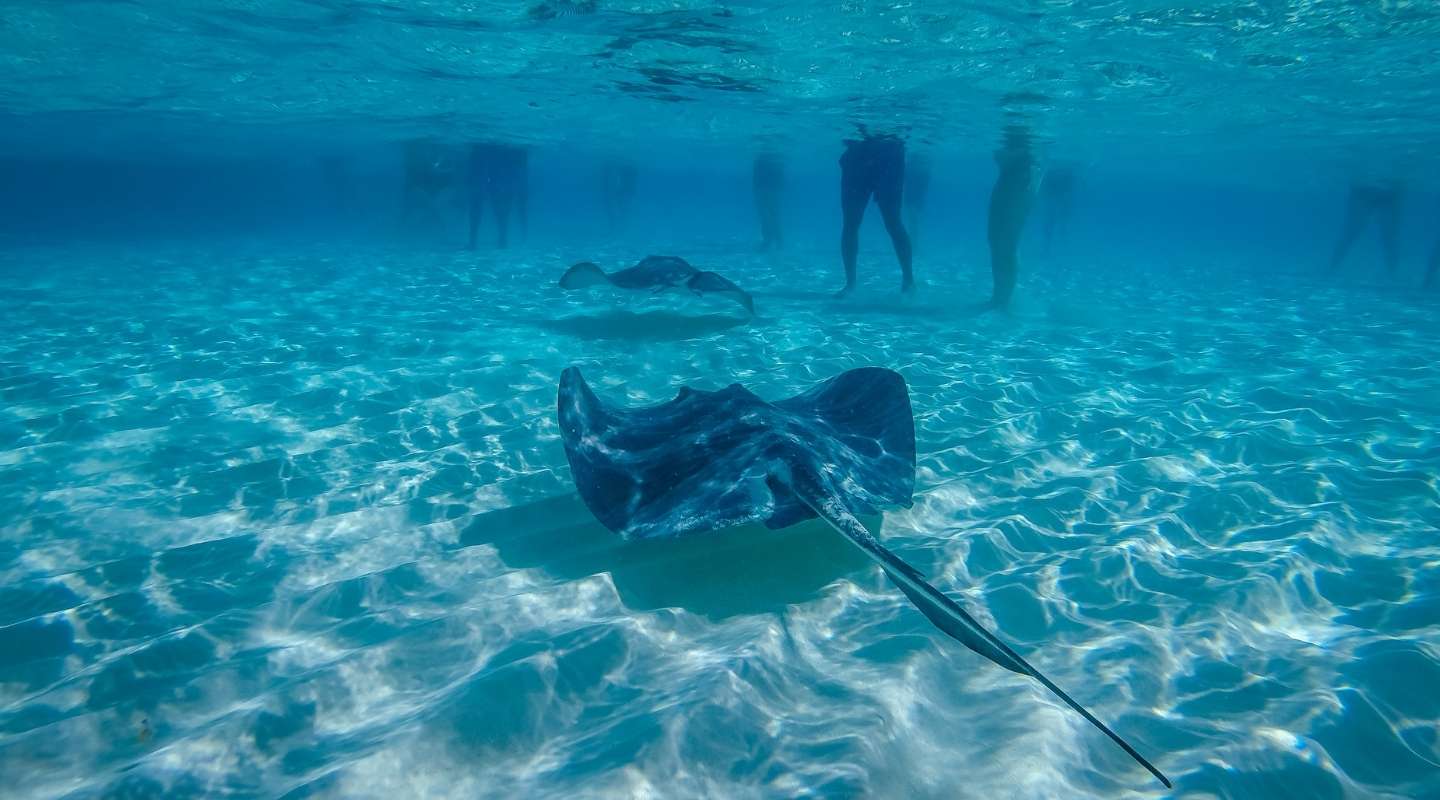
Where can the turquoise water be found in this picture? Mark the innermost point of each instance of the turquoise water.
(309, 516)
(284, 510)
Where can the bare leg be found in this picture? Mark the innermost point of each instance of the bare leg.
(1009, 206)
(502, 193)
(1357, 214)
(766, 181)
(888, 178)
(853, 199)
(1004, 265)
(889, 204)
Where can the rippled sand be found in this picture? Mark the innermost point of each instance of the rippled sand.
(302, 524)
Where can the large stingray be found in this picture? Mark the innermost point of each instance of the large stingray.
(710, 460)
(657, 273)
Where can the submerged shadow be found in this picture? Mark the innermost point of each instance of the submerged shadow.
(649, 326)
(928, 310)
(744, 570)
(804, 295)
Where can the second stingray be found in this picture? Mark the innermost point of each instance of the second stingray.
(710, 460)
(658, 273)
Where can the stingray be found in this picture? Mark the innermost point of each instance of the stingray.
(658, 273)
(707, 460)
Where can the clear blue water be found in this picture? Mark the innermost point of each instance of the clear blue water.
(284, 509)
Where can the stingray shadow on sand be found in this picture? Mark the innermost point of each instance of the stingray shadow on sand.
(737, 571)
(647, 326)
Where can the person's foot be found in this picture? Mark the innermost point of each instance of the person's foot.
(843, 293)
(907, 286)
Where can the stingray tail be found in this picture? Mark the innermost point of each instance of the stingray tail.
(946, 614)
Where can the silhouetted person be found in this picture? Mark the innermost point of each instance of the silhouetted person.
(1378, 199)
(768, 179)
(917, 187)
(501, 172)
(431, 169)
(873, 166)
(617, 186)
(1009, 206)
(1057, 189)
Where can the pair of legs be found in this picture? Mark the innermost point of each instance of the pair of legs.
(502, 172)
(1009, 207)
(1381, 201)
(768, 178)
(873, 167)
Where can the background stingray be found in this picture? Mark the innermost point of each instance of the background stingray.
(658, 273)
(705, 461)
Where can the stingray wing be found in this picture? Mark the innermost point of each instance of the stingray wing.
(583, 275)
(654, 272)
(858, 435)
(706, 460)
(695, 463)
(717, 284)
